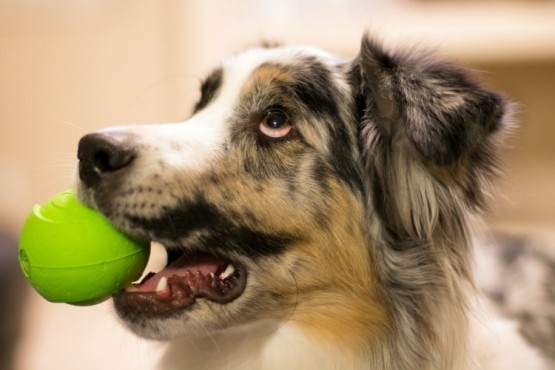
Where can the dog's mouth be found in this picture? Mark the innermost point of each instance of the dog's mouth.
(186, 278)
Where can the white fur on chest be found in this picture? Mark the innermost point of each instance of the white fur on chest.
(264, 346)
(494, 345)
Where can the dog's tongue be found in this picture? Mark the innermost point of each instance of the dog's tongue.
(182, 267)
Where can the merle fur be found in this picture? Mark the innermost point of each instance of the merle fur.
(428, 136)
(416, 141)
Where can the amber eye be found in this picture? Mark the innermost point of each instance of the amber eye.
(275, 124)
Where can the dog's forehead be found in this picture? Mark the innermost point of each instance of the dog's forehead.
(235, 72)
(252, 58)
(240, 67)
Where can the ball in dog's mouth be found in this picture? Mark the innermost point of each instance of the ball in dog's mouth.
(176, 287)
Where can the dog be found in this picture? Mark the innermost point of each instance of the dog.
(317, 213)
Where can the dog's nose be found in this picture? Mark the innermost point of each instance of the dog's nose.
(102, 154)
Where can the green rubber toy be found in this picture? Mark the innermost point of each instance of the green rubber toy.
(72, 254)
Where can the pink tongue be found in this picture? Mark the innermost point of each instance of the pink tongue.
(205, 265)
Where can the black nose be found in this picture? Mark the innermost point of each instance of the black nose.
(102, 154)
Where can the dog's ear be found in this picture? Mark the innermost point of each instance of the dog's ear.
(444, 113)
(428, 135)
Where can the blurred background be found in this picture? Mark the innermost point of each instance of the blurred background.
(68, 67)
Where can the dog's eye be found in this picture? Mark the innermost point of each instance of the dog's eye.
(275, 124)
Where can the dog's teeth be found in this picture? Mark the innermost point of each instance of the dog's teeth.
(212, 275)
(228, 271)
(162, 284)
(131, 288)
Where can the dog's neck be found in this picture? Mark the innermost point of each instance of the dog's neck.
(265, 345)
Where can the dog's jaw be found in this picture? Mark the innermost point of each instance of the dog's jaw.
(266, 344)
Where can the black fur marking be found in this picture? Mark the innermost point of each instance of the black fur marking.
(209, 89)
(218, 231)
(247, 241)
(343, 162)
(316, 89)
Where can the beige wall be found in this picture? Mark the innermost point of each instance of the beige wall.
(68, 67)
(72, 68)
(526, 194)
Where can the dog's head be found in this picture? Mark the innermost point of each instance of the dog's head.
(304, 188)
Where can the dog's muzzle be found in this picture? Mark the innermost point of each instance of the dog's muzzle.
(106, 160)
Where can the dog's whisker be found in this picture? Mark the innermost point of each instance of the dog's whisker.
(131, 104)
(59, 164)
(74, 125)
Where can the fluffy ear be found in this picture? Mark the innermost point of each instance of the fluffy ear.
(444, 113)
(428, 133)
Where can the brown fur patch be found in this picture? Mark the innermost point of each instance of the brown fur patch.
(266, 76)
(334, 293)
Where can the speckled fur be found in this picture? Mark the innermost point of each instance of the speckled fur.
(356, 229)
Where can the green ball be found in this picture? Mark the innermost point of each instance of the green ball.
(72, 254)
